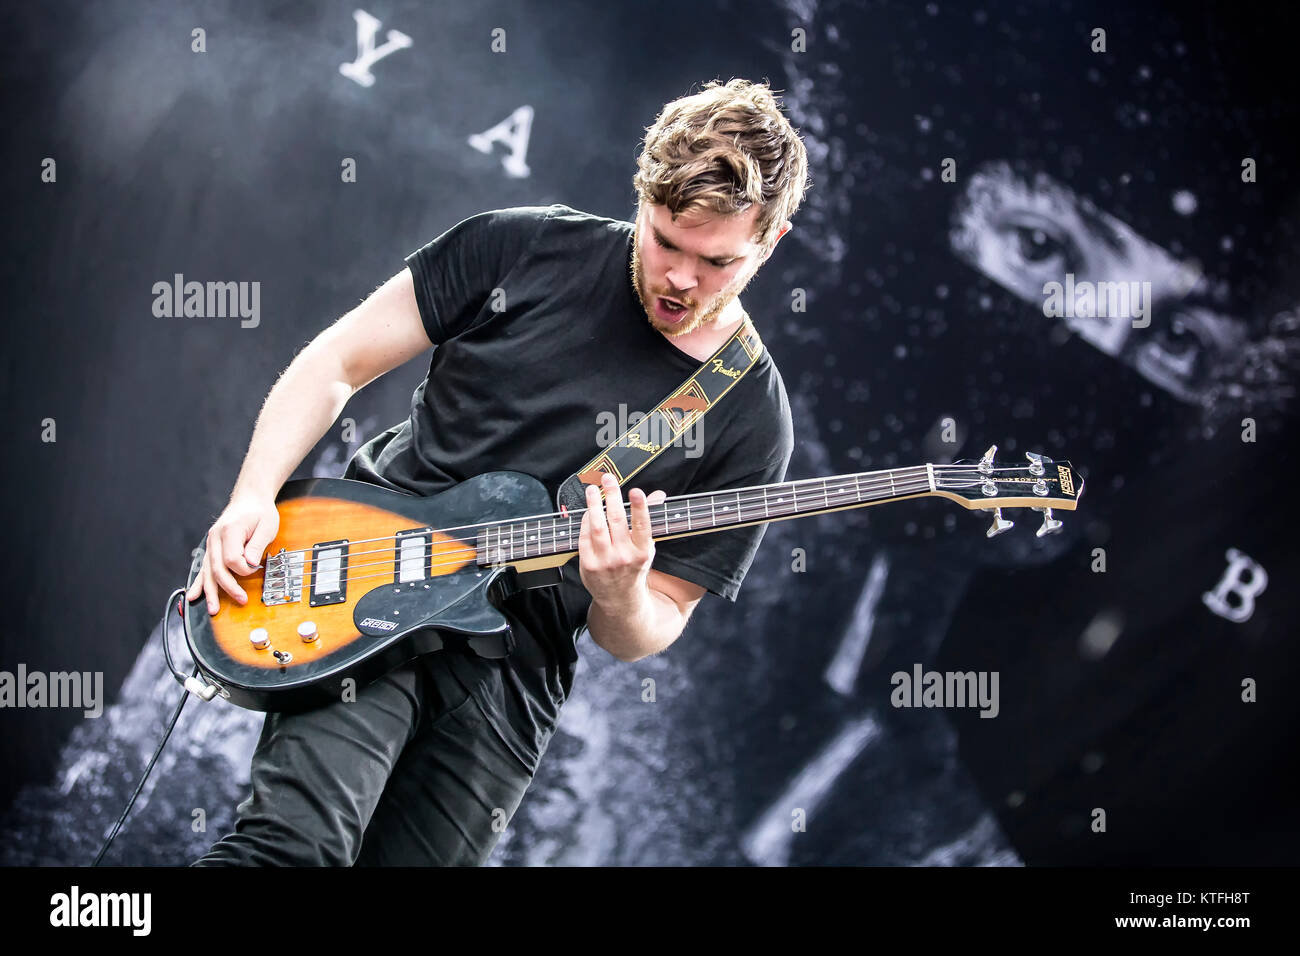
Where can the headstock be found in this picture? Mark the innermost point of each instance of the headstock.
(1041, 484)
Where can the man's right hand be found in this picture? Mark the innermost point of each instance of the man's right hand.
(235, 543)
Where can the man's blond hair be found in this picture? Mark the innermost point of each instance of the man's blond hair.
(725, 149)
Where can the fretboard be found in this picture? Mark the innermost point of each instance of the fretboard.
(554, 534)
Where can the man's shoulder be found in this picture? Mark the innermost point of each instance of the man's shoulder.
(557, 225)
(556, 212)
(766, 414)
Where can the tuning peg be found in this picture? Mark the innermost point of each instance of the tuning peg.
(986, 463)
(999, 525)
(1050, 525)
(1035, 463)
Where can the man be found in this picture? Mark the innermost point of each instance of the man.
(542, 319)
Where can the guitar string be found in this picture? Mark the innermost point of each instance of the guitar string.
(390, 559)
(455, 545)
(840, 496)
(390, 571)
(578, 512)
(518, 536)
(389, 562)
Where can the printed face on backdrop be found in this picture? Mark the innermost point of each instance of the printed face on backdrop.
(702, 261)
(1025, 235)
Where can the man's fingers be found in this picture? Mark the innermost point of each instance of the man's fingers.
(593, 522)
(209, 582)
(222, 576)
(618, 531)
(233, 541)
(640, 518)
(263, 535)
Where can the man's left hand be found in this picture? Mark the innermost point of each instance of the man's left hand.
(613, 558)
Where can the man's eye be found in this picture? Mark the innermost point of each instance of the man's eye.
(1035, 245)
(712, 262)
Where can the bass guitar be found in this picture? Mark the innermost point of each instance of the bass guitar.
(360, 579)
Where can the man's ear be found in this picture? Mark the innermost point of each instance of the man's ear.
(784, 229)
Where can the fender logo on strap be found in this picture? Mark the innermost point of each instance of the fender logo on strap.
(681, 409)
(729, 372)
(634, 441)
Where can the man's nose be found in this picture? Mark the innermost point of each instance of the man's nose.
(681, 280)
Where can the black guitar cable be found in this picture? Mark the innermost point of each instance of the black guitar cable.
(191, 684)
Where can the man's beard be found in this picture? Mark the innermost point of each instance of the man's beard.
(700, 317)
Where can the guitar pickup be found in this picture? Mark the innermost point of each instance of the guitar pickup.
(413, 556)
(329, 573)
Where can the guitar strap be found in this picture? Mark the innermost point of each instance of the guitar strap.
(677, 412)
(681, 409)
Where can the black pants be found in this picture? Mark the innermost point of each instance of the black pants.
(408, 774)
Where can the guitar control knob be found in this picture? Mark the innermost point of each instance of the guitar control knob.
(307, 631)
(260, 639)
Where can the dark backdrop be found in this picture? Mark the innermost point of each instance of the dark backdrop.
(1120, 690)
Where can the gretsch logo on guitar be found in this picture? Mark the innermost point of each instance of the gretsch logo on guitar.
(360, 579)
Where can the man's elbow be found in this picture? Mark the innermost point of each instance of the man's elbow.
(630, 655)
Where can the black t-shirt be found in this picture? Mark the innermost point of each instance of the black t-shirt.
(539, 338)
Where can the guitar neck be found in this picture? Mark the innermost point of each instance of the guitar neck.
(685, 515)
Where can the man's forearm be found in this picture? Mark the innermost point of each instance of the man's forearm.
(300, 407)
(646, 625)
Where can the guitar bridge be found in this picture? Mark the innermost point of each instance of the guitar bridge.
(283, 581)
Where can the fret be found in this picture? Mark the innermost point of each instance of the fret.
(688, 515)
(826, 494)
(794, 493)
(713, 510)
(892, 492)
(766, 513)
